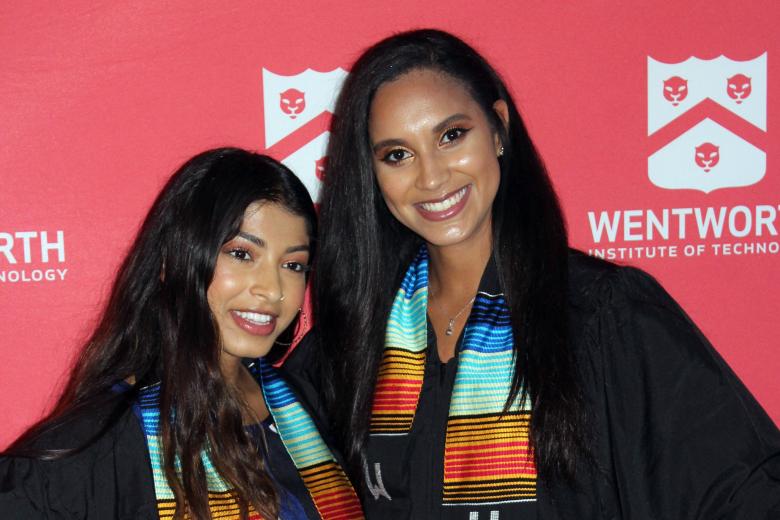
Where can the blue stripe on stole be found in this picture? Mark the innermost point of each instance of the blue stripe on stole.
(486, 362)
(276, 391)
(148, 402)
(416, 277)
(407, 327)
(490, 310)
(299, 433)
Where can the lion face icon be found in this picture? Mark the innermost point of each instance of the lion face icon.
(739, 87)
(675, 89)
(707, 156)
(292, 102)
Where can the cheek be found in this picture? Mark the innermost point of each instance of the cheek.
(224, 285)
(482, 165)
(294, 290)
(392, 188)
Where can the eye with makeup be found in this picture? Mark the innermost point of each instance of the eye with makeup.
(395, 156)
(453, 134)
(239, 249)
(297, 267)
(240, 254)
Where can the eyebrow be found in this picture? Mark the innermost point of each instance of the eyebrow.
(436, 129)
(259, 242)
(447, 122)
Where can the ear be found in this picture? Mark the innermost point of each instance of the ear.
(502, 110)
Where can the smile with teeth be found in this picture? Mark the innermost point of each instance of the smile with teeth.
(255, 317)
(444, 205)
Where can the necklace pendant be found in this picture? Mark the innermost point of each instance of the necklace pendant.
(448, 332)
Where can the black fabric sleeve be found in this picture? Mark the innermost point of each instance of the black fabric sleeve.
(687, 439)
(23, 489)
(109, 478)
(301, 368)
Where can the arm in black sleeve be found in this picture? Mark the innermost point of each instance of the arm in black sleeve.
(687, 438)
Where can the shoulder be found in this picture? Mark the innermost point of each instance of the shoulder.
(628, 333)
(627, 312)
(303, 359)
(605, 298)
(661, 399)
(595, 284)
(90, 430)
(302, 371)
(107, 454)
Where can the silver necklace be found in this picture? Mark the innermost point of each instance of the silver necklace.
(451, 324)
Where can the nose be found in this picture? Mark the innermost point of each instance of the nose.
(433, 172)
(266, 283)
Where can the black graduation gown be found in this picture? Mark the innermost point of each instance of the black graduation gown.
(673, 432)
(112, 477)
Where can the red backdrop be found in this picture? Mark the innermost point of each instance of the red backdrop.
(101, 101)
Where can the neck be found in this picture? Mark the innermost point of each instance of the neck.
(246, 388)
(464, 262)
(231, 369)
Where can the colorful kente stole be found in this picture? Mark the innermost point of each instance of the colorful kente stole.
(487, 458)
(330, 490)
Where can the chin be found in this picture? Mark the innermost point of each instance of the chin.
(452, 235)
(250, 351)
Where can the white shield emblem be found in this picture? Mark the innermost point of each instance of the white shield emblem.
(712, 153)
(296, 110)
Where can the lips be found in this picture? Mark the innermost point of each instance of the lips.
(446, 207)
(255, 323)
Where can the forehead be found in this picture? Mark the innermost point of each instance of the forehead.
(419, 98)
(274, 223)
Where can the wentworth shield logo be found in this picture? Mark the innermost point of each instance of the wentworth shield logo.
(704, 119)
(296, 115)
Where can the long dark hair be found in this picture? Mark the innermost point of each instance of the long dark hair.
(364, 252)
(157, 326)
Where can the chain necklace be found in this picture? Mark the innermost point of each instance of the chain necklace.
(451, 324)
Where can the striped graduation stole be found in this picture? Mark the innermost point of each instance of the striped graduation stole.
(488, 458)
(331, 491)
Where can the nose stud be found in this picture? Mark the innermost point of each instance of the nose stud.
(282, 298)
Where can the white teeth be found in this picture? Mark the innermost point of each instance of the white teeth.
(446, 204)
(255, 317)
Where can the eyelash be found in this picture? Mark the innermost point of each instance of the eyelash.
(299, 267)
(388, 157)
(296, 267)
(238, 250)
(459, 133)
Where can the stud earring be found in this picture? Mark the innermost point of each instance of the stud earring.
(501, 151)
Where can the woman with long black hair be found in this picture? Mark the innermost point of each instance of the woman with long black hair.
(174, 409)
(473, 365)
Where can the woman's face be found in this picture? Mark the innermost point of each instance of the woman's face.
(259, 280)
(436, 157)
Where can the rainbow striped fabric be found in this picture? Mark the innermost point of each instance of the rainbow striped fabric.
(488, 458)
(402, 367)
(328, 485)
(331, 491)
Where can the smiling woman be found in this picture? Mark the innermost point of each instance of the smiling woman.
(476, 367)
(259, 280)
(174, 409)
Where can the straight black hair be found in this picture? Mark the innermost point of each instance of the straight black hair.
(157, 326)
(364, 252)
